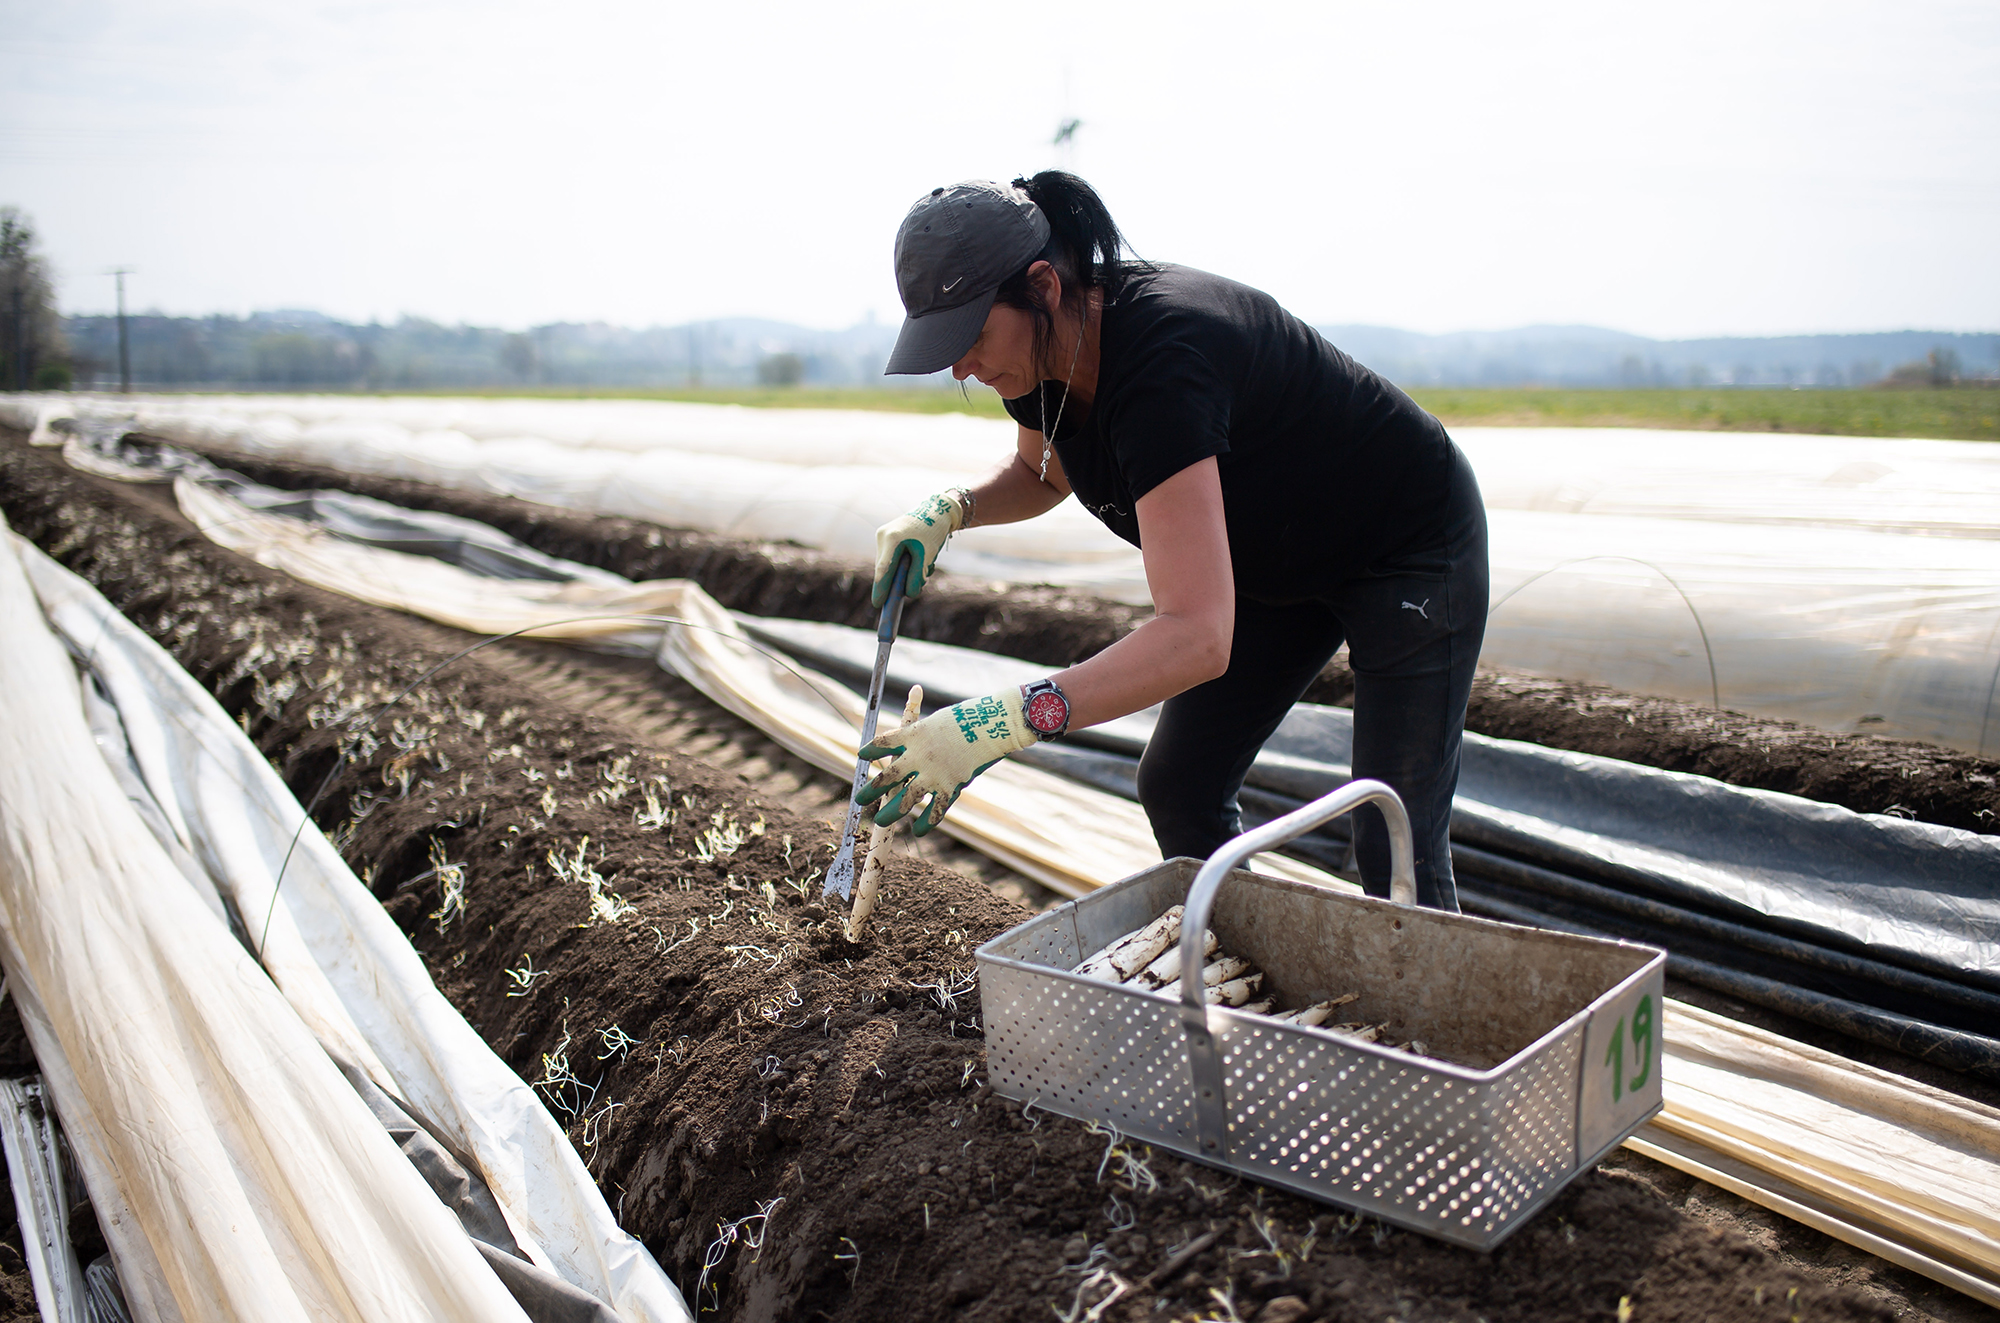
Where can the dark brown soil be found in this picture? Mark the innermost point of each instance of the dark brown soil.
(17, 1287)
(774, 1069)
(1865, 773)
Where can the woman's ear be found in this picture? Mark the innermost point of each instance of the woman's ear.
(1046, 283)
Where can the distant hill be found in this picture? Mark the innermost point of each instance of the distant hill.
(297, 350)
(1591, 356)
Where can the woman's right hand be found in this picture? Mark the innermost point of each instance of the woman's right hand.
(921, 533)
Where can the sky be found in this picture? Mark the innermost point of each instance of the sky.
(1737, 168)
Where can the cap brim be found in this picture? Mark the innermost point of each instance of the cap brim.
(935, 341)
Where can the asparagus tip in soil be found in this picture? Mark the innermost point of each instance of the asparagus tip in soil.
(871, 871)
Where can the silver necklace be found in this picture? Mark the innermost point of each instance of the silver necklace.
(1048, 432)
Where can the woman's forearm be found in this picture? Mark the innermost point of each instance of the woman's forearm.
(1012, 494)
(1019, 490)
(1165, 656)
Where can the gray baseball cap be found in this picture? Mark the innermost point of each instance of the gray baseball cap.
(955, 248)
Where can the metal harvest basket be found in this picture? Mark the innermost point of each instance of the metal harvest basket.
(1544, 1047)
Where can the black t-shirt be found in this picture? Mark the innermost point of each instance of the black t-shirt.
(1327, 470)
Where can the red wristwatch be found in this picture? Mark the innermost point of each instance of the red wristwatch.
(1046, 708)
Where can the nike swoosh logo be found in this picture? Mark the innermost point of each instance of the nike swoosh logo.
(947, 288)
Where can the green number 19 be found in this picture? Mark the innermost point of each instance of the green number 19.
(1642, 1049)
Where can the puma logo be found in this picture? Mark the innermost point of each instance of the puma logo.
(1412, 606)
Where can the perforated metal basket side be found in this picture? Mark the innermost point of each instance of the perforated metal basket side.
(1089, 1050)
(1457, 1154)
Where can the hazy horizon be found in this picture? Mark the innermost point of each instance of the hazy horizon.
(886, 325)
(1718, 171)
(299, 347)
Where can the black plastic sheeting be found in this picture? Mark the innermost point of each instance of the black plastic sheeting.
(1882, 929)
(466, 543)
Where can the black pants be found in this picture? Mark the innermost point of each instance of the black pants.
(1413, 629)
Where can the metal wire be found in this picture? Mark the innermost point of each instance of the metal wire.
(1714, 686)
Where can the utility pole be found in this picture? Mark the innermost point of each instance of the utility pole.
(124, 346)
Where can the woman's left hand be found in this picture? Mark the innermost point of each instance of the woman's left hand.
(940, 755)
(921, 533)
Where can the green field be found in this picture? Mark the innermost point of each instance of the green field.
(1964, 414)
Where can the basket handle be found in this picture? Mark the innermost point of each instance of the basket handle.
(1202, 1056)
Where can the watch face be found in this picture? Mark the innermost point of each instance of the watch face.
(1048, 712)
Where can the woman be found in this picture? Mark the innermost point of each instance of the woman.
(1285, 499)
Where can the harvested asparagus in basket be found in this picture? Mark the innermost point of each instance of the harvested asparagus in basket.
(1167, 969)
(1150, 958)
(1222, 969)
(1118, 962)
(1316, 1014)
(1236, 992)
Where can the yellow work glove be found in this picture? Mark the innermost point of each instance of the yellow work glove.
(939, 755)
(921, 532)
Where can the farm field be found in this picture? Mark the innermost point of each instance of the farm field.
(772, 1061)
(1964, 414)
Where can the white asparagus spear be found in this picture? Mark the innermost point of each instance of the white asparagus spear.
(1261, 1007)
(1236, 991)
(871, 872)
(1167, 969)
(1222, 969)
(1316, 1014)
(1131, 953)
(1366, 1033)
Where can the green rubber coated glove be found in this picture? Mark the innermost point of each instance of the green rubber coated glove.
(922, 533)
(940, 755)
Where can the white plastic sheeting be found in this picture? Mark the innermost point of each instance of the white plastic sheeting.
(1846, 630)
(1850, 584)
(822, 477)
(264, 1187)
(347, 975)
(1942, 488)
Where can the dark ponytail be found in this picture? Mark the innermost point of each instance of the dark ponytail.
(1083, 247)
